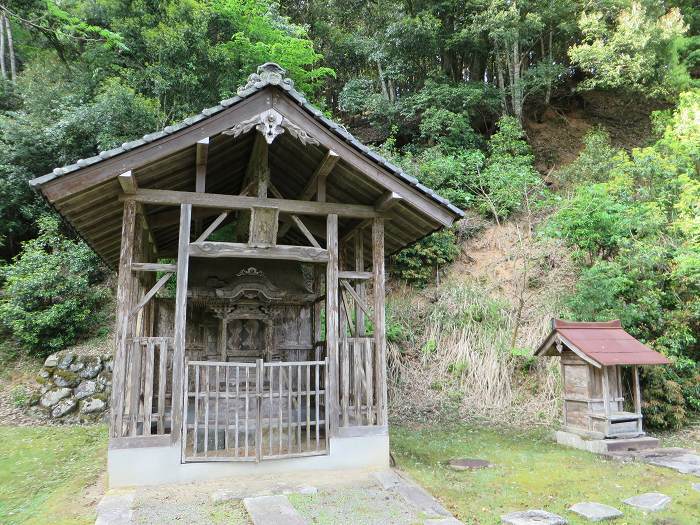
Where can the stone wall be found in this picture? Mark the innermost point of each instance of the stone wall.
(74, 387)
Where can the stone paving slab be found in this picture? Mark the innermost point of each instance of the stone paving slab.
(388, 479)
(696, 486)
(273, 510)
(443, 521)
(116, 509)
(533, 517)
(595, 511)
(651, 501)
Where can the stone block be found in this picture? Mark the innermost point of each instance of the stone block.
(51, 397)
(93, 405)
(51, 361)
(595, 511)
(63, 407)
(92, 367)
(86, 389)
(66, 360)
(65, 378)
(651, 501)
(533, 517)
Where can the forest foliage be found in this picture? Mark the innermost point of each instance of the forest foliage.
(444, 88)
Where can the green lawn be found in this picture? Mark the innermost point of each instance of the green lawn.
(46, 474)
(530, 471)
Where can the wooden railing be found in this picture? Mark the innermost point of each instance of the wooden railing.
(254, 411)
(358, 395)
(148, 386)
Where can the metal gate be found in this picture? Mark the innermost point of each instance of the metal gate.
(254, 411)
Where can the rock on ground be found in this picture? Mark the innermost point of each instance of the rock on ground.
(651, 501)
(273, 510)
(533, 517)
(595, 511)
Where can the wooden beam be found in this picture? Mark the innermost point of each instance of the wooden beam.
(379, 319)
(387, 201)
(355, 275)
(305, 231)
(360, 286)
(183, 260)
(213, 226)
(153, 267)
(356, 297)
(171, 217)
(243, 250)
(128, 182)
(221, 201)
(161, 282)
(321, 172)
(332, 336)
(201, 170)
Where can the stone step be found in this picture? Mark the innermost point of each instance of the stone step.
(640, 443)
(272, 510)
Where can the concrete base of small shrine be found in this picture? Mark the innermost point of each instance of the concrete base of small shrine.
(604, 446)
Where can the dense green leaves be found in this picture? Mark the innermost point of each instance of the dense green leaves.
(52, 293)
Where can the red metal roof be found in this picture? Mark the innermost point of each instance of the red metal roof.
(605, 343)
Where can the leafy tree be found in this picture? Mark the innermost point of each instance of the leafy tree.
(637, 52)
(52, 291)
(420, 263)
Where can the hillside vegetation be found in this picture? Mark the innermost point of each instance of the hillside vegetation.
(569, 131)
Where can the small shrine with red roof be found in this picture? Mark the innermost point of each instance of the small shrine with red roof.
(600, 372)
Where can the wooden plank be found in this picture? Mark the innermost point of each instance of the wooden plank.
(332, 321)
(238, 202)
(302, 227)
(357, 373)
(387, 201)
(162, 383)
(345, 381)
(186, 405)
(201, 165)
(183, 259)
(356, 297)
(320, 173)
(195, 434)
(153, 267)
(379, 319)
(369, 377)
(154, 290)
(259, 378)
(637, 397)
(148, 387)
(128, 182)
(241, 250)
(213, 226)
(263, 226)
(124, 283)
(351, 275)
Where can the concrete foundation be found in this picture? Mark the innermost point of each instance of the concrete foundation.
(604, 446)
(162, 465)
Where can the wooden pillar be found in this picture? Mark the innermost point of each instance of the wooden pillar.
(332, 320)
(360, 286)
(183, 259)
(124, 304)
(606, 397)
(637, 397)
(223, 329)
(379, 319)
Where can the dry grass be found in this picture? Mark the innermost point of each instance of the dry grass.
(464, 349)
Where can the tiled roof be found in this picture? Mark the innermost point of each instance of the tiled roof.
(268, 74)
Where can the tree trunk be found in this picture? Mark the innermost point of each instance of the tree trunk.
(516, 88)
(11, 50)
(501, 82)
(3, 69)
(385, 90)
(548, 93)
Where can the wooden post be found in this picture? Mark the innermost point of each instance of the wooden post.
(124, 304)
(379, 319)
(332, 319)
(360, 286)
(637, 397)
(606, 398)
(183, 259)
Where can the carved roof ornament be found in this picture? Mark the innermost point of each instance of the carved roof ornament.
(271, 124)
(252, 270)
(268, 73)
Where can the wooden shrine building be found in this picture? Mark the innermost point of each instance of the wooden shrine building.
(593, 359)
(250, 242)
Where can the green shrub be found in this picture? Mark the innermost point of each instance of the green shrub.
(52, 293)
(664, 405)
(420, 263)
